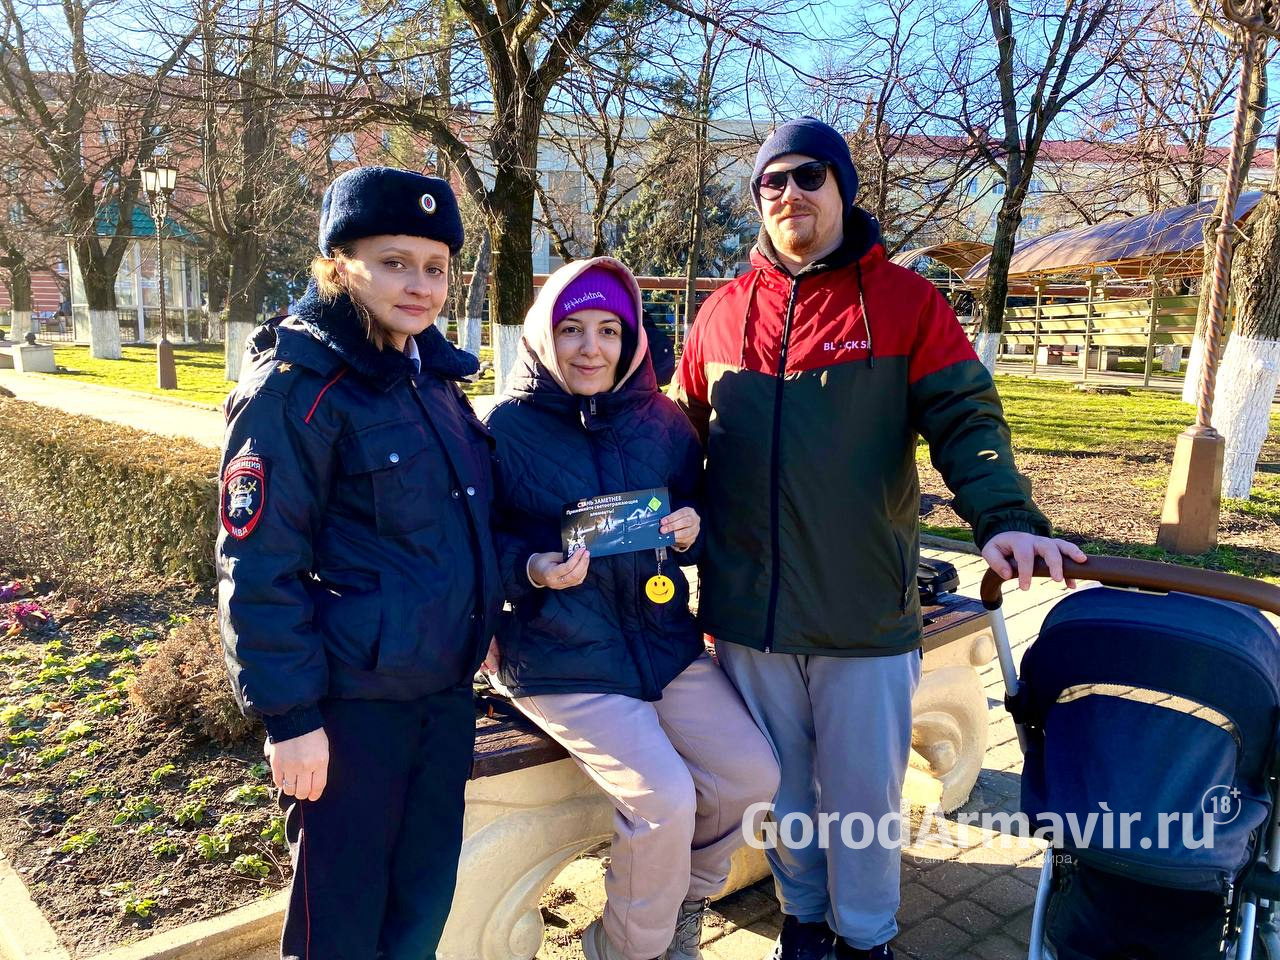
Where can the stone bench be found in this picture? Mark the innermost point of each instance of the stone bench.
(531, 811)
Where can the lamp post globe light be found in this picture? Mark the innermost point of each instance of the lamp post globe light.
(1189, 521)
(158, 182)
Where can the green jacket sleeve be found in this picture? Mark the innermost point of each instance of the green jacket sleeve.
(955, 407)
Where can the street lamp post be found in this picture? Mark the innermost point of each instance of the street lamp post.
(1192, 503)
(158, 183)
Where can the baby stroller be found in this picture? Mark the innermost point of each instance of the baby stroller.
(1154, 705)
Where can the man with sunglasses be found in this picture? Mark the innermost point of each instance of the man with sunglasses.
(809, 379)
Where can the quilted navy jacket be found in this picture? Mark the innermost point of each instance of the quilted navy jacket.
(604, 636)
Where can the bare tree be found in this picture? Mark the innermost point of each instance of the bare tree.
(257, 156)
(910, 179)
(1251, 362)
(1046, 56)
(1174, 80)
(93, 127)
(595, 127)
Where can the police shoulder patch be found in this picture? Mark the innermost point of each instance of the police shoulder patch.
(244, 491)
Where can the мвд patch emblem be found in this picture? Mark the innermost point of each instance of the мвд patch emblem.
(244, 491)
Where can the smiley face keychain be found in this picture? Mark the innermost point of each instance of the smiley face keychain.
(659, 589)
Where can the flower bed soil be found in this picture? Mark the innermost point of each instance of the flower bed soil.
(119, 824)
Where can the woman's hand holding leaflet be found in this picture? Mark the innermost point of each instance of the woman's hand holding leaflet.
(553, 571)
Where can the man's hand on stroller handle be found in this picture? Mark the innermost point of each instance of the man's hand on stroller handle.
(1022, 549)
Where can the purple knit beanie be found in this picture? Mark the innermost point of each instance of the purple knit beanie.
(597, 288)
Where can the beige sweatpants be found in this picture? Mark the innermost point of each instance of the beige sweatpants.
(681, 772)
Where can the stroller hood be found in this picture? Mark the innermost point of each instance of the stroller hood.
(1160, 708)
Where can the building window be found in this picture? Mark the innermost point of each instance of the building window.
(110, 132)
(16, 213)
(343, 148)
(386, 139)
(1031, 224)
(998, 189)
(298, 138)
(1035, 186)
(971, 188)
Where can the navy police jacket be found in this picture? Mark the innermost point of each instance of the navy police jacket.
(355, 558)
(554, 448)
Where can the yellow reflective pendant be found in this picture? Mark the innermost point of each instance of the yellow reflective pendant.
(660, 589)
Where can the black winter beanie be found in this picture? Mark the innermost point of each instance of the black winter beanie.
(371, 201)
(813, 138)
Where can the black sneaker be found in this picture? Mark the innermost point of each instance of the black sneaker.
(843, 951)
(803, 941)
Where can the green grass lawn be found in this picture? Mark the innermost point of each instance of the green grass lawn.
(200, 370)
(1055, 427)
(1051, 416)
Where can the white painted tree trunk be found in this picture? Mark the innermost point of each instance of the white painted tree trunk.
(236, 336)
(1171, 358)
(986, 345)
(442, 323)
(1195, 364)
(469, 329)
(1242, 408)
(469, 335)
(506, 348)
(20, 325)
(104, 335)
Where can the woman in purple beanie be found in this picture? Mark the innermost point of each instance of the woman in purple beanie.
(602, 652)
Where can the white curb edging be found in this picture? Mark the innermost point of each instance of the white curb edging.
(24, 932)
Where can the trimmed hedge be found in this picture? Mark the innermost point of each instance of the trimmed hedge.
(144, 504)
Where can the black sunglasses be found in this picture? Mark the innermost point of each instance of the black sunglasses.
(808, 177)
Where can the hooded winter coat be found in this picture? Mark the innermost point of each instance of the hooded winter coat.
(810, 392)
(554, 448)
(355, 558)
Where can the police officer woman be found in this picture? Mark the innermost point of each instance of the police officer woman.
(358, 584)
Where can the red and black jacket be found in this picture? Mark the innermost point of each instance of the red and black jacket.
(809, 393)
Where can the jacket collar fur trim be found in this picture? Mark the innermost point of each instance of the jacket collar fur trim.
(337, 326)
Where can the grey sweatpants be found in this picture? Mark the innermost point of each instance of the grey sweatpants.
(841, 730)
(681, 772)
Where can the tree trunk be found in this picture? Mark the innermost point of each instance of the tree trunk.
(244, 291)
(20, 296)
(244, 295)
(1258, 92)
(100, 294)
(469, 326)
(1251, 362)
(219, 270)
(996, 290)
(512, 238)
(691, 267)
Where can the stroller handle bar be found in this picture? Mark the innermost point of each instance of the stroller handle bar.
(1153, 576)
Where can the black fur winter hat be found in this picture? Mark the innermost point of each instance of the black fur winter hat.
(370, 201)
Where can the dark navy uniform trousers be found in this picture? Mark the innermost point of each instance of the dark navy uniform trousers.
(375, 859)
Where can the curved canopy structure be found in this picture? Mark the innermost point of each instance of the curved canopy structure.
(958, 256)
(1170, 241)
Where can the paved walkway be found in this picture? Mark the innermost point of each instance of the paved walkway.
(143, 411)
(128, 407)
